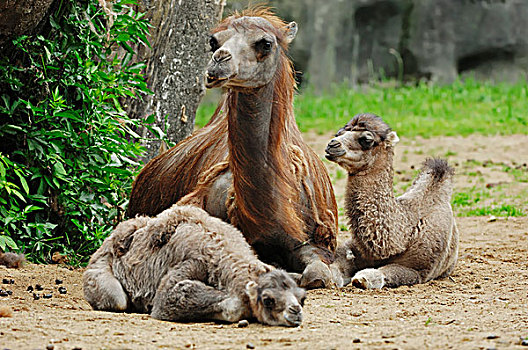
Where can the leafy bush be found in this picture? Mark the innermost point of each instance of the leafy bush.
(68, 147)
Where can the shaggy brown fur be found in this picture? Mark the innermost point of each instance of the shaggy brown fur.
(12, 260)
(395, 241)
(275, 188)
(185, 265)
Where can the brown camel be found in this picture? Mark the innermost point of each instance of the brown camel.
(184, 265)
(395, 241)
(261, 176)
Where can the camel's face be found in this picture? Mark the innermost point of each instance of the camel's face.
(356, 146)
(246, 54)
(276, 300)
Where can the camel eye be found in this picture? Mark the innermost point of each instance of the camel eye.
(366, 141)
(264, 46)
(213, 43)
(268, 302)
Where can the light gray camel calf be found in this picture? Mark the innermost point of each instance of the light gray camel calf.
(395, 241)
(184, 265)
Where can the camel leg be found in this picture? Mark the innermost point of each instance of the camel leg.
(316, 274)
(187, 299)
(392, 275)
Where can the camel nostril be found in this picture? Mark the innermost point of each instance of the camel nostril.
(295, 309)
(334, 143)
(221, 56)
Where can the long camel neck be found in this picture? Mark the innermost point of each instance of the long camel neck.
(253, 154)
(263, 186)
(375, 217)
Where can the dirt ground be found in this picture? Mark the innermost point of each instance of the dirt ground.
(484, 305)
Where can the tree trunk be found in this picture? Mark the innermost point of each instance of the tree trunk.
(20, 17)
(175, 65)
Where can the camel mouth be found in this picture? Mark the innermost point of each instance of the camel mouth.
(213, 82)
(293, 320)
(332, 153)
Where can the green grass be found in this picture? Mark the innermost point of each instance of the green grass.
(480, 201)
(461, 108)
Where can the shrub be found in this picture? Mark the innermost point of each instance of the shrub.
(68, 147)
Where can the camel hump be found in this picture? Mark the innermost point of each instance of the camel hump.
(439, 169)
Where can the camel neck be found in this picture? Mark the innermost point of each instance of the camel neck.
(249, 125)
(258, 160)
(375, 217)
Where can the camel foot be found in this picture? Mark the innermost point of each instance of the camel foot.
(369, 279)
(316, 275)
(232, 309)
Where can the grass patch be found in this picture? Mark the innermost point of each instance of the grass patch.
(484, 202)
(426, 110)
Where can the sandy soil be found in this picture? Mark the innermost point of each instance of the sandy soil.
(484, 305)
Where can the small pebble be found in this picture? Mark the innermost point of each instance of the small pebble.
(29, 288)
(50, 347)
(5, 281)
(243, 323)
(356, 340)
(3, 293)
(38, 287)
(47, 296)
(492, 336)
(250, 346)
(524, 341)
(478, 286)
(9, 292)
(62, 290)
(58, 281)
(36, 296)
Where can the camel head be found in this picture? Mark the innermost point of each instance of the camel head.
(361, 143)
(247, 49)
(276, 300)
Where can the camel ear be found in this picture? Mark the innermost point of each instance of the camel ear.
(252, 290)
(393, 138)
(290, 31)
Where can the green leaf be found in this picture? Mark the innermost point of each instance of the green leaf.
(58, 169)
(23, 182)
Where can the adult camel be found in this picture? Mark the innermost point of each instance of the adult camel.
(249, 165)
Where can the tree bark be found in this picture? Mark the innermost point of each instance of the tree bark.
(175, 65)
(20, 17)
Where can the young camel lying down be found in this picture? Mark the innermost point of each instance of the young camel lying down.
(184, 265)
(395, 241)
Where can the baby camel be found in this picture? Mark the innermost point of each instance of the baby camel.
(184, 265)
(395, 241)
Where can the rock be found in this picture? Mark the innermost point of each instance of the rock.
(62, 290)
(58, 281)
(359, 40)
(250, 346)
(356, 340)
(243, 323)
(50, 347)
(492, 336)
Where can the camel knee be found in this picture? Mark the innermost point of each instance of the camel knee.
(103, 291)
(316, 275)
